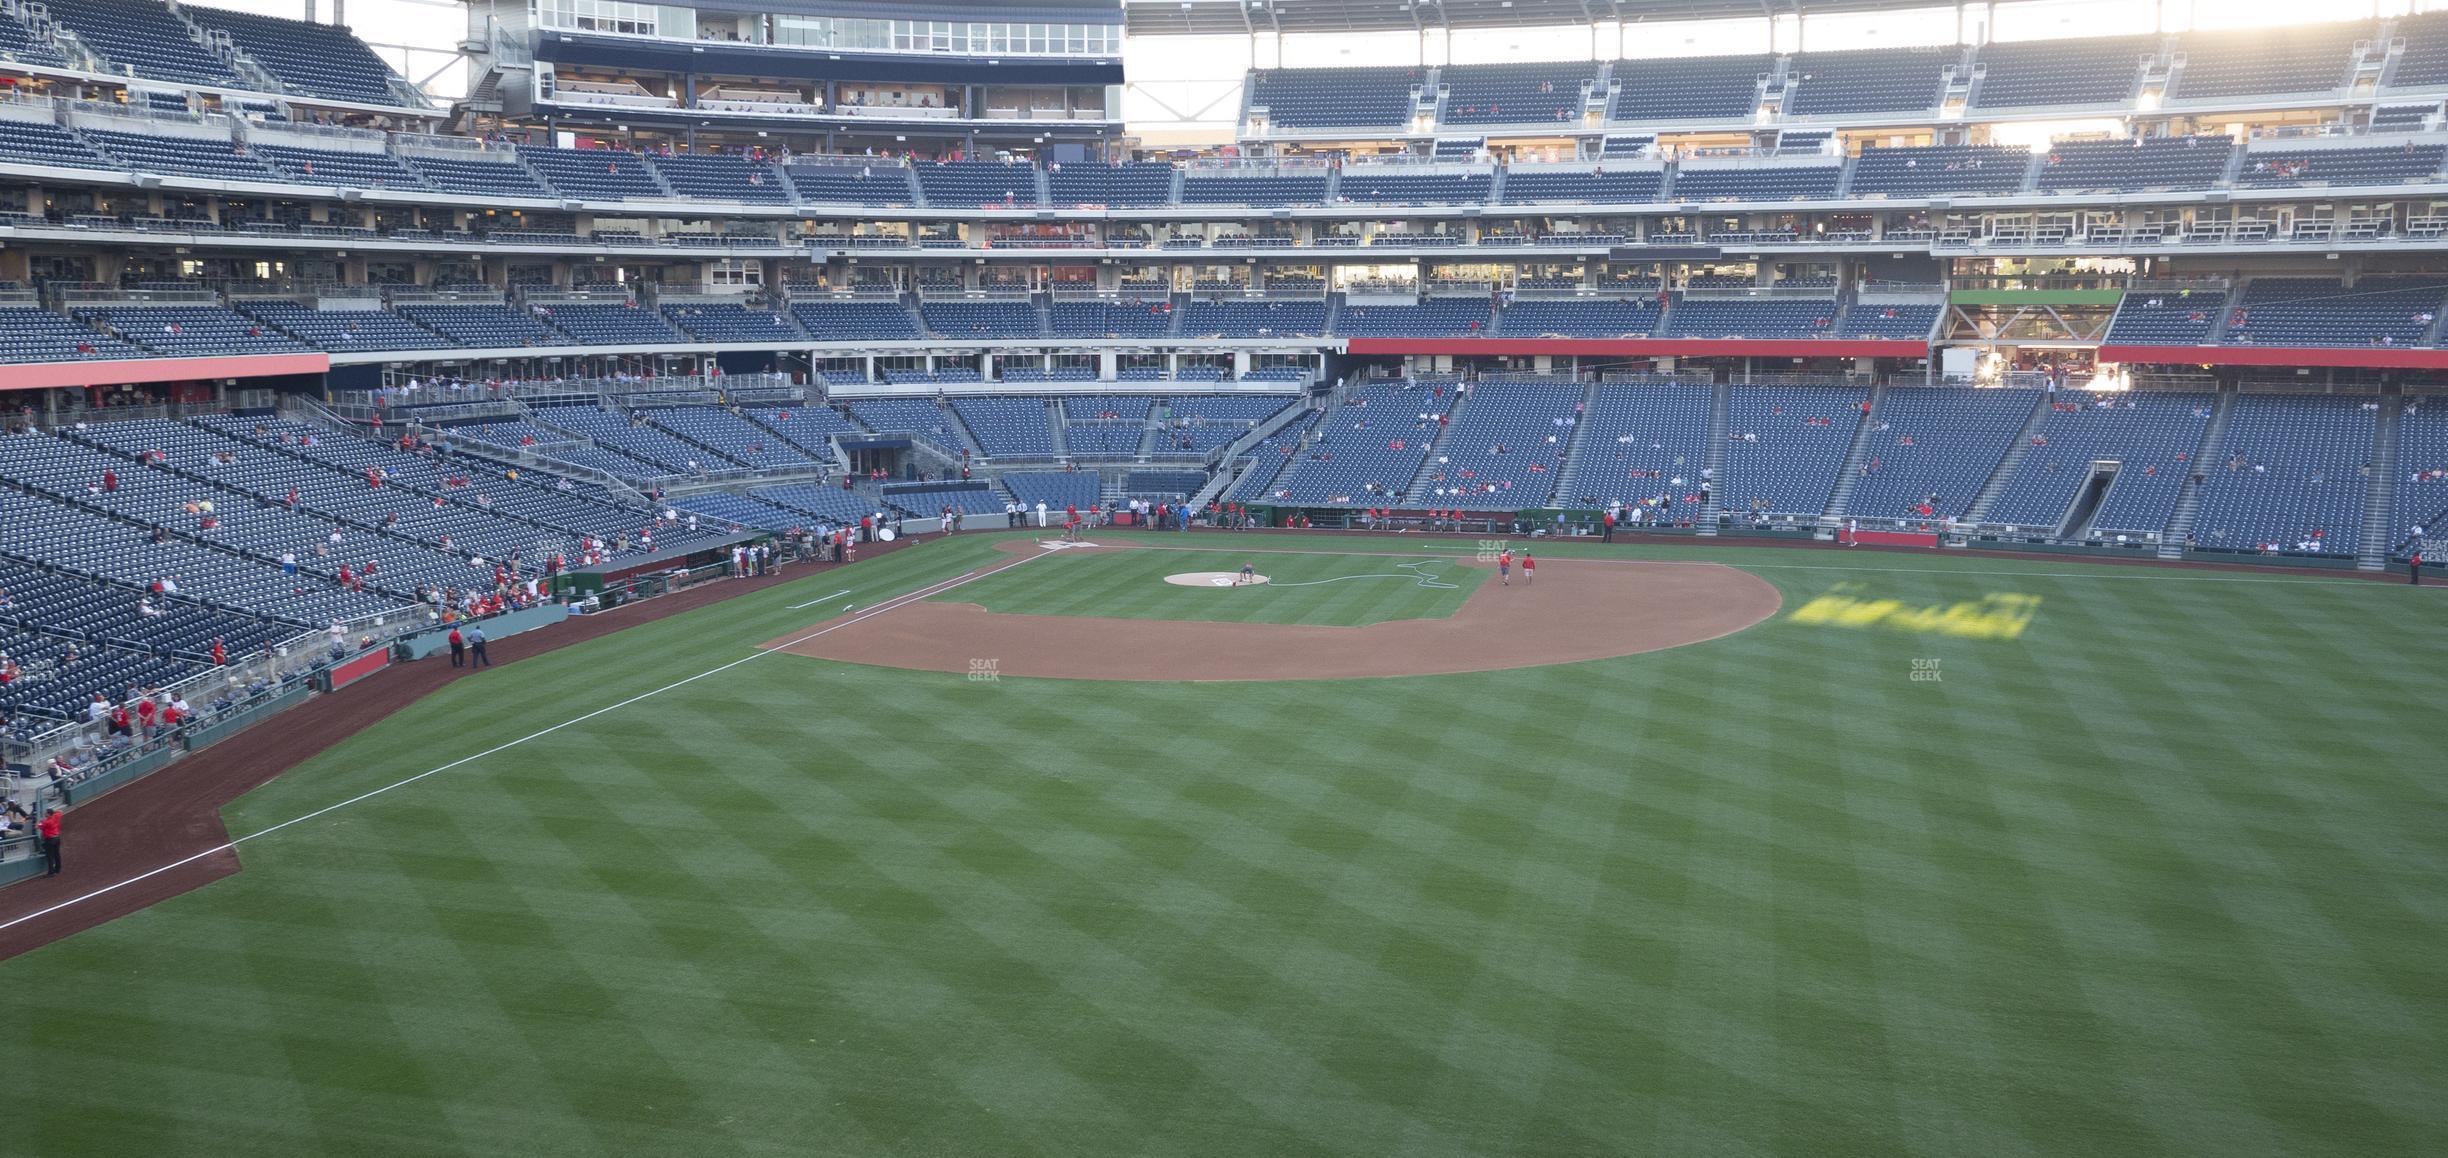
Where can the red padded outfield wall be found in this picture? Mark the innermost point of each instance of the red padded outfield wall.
(129, 371)
(2370, 357)
(1647, 347)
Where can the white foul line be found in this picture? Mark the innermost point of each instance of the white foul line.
(822, 598)
(892, 604)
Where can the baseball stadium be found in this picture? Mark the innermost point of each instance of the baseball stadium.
(1223, 577)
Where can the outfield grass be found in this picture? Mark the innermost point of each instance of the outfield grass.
(1308, 588)
(2161, 876)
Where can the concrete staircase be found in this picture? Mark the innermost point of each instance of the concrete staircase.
(1417, 492)
(1054, 428)
(2188, 501)
(1840, 497)
(2380, 500)
(1721, 402)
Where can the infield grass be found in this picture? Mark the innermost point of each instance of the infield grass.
(2165, 875)
(1320, 589)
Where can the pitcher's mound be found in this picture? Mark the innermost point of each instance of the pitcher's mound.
(1212, 579)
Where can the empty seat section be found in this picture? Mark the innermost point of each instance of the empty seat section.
(1765, 318)
(732, 435)
(2424, 63)
(1902, 322)
(991, 318)
(2323, 311)
(1641, 442)
(1113, 319)
(1933, 446)
(500, 176)
(1298, 98)
(336, 167)
(340, 330)
(2031, 74)
(1594, 186)
(1505, 450)
(484, 326)
(2150, 435)
(1700, 88)
(1430, 318)
(1368, 448)
(886, 187)
(32, 334)
(2266, 61)
(308, 59)
(1257, 191)
(194, 331)
(1104, 425)
(1136, 183)
(596, 324)
(2386, 165)
(43, 143)
(214, 156)
(595, 174)
(19, 44)
(1380, 188)
(732, 322)
(2162, 318)
(2152, 163)
(1254, 318)
(1546, 93)
(1196, 424)
(963, 184)
(855, 320)
(1058, 490)
(1581, 317)
(143, 39)
(1784, 445)
(1877, 80)
(1921, 172)
(719, 177)
(914, 416)
(1757, 183)
(2288, 475)
(1008, 426)
(634, 437)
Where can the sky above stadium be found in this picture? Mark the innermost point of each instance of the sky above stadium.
(1200, 75)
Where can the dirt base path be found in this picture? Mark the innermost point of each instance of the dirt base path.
(176, 812)
(1578, 609)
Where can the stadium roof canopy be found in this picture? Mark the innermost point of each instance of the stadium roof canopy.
(1210, 17)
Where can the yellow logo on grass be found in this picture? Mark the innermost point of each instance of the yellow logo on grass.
(1998, 615)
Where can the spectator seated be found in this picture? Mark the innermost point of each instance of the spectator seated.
(1254, 318)
(1113, 319)
(1910, 323)
(1641, 442)
(1104, 426)
(2162, 318)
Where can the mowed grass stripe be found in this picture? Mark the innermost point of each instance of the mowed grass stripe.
(2118, 886)
(1313, 589)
